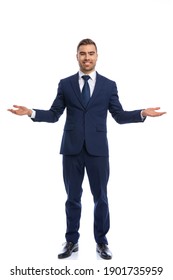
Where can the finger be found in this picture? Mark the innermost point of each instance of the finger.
(157, 114)
(156, 108)
(12, 111)
(17, 106)
(162, 113)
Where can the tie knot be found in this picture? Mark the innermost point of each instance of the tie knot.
(86, 77)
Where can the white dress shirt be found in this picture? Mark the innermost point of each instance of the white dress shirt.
(91, 81)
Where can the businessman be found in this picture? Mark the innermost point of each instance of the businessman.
(87, 97)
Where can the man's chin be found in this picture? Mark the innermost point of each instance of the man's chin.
(87, 70)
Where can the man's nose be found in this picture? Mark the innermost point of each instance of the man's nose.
(87, 56)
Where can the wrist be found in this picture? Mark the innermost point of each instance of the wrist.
(29, 112)
(143, 114)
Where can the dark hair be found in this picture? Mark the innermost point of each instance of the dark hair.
(86, 42)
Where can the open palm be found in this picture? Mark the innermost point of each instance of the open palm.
(20, 110)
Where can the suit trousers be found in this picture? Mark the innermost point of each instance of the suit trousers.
(97, 168)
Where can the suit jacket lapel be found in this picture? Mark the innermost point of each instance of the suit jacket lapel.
(97, 89)
(76, 88)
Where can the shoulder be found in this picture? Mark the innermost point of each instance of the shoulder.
(69, 78)
(108, 83)
(103, 78)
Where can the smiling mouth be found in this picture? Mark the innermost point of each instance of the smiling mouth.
(87, 63)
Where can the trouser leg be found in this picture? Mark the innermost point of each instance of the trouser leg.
(73, 173)
(98, 174)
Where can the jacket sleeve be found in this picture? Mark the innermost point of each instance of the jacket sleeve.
(56, 110)
(118, 113)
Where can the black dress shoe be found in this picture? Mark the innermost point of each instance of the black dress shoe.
(68, 249)
(104, 251)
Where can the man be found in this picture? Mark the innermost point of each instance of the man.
(87, 97)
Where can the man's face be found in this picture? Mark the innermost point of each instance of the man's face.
(87, 58)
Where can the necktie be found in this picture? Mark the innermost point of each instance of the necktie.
(85, 90)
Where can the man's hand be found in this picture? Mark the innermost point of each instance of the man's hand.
(20, 110)
(152, 112)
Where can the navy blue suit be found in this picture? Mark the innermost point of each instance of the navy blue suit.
(84, 145)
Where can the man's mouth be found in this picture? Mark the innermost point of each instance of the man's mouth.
(87, 63)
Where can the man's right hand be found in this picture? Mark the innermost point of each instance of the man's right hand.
(21, 110)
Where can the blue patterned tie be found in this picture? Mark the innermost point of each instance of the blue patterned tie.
(85, 90)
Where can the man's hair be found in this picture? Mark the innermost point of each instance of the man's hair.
(86, 42)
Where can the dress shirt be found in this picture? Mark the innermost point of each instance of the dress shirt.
(91, 81)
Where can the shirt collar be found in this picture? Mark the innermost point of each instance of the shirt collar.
(92, 75)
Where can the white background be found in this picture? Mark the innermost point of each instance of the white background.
(38, 48)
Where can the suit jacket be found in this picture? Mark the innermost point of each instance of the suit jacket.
(86, 124)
